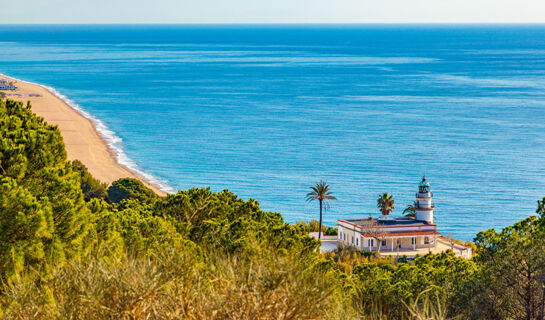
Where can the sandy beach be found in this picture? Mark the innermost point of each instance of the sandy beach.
(81, 138)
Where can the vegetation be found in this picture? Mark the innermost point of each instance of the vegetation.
(314, 226)
(71, 248)
(130, 188)
(410, 211)
(373, 228)
(91, 187)
(321, 193)
(385, 203)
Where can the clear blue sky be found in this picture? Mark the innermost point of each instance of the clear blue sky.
(270, 11)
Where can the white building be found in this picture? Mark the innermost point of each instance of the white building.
(404, 236)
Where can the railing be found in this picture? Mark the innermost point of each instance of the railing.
(432, 206)
(418, 195)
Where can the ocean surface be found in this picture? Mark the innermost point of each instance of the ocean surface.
(266, 111)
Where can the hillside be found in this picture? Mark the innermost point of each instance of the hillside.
(72, 247)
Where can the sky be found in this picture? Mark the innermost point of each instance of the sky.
(271, 11)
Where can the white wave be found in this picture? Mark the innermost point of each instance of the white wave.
(113, 141)
(525, 52)
(513, 82)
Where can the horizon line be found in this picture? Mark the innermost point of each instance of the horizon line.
(276, 23)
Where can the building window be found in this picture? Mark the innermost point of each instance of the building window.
(427, 240)
(413, 240)
(352, 239)
(357, 242)
(340, 234)
(344, 236)
(372, 242)
(384, 243)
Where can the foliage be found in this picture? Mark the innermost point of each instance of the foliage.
(393, 286)
(91, 187)
(44, 217)
(313, 226)
(321, 193)
(511, 282)
(346, 258)
(28, 144)
(130, 188)
(26, 228)
(410, 211)
(385, 203)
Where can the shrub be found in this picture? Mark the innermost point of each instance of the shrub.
(91, 187)
(130, 188)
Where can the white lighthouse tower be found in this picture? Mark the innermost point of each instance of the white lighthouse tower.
(424, 206)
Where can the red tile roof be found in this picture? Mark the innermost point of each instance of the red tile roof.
(409, 233)
(394, 223)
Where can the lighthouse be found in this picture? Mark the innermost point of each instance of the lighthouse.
(424, 206)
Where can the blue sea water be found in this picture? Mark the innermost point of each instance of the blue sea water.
(268, 110)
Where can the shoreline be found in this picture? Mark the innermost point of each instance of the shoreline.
(83, 139)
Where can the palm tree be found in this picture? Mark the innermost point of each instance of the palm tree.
(410, 211)
(321, 193)
(385, 203)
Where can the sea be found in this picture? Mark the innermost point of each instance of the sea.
(267, 111)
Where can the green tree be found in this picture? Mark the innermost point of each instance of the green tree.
(130, 188)
(385, 203)
(142, 231)
(321, 193)
(28, 144)
(61, 187)
(91, 187)
(32, 154)
(410, 211)
(511, 282)
(386, 287)
(224, 222)
(26, 229)
(312, 226)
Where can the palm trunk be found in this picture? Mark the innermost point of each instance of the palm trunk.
(320, 225)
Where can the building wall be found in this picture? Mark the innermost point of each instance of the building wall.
(424, 215)
(459, 250)
(347, 236)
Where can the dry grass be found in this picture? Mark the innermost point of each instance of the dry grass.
(174, 285)
(180, 284)
(427, 307)
(277, 288)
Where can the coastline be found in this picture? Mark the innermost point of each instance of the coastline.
(83, 140)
